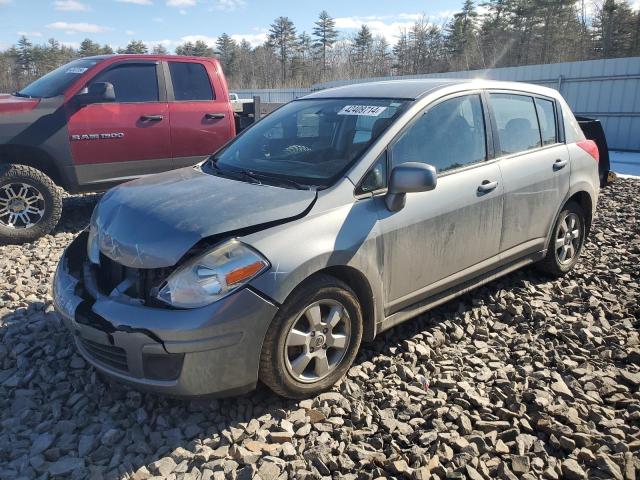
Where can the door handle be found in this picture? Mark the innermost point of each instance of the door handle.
(151, 118)
(487, 186)
(559, 164)
(213, 116)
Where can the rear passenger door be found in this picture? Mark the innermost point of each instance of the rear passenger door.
(201, 121)
(535, 168)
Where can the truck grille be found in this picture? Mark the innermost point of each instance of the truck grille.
(110, 355)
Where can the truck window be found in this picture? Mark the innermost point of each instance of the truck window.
(449, 135)
(133, 83)
(516, 121)
(57, 81)
(547, 118)
(190, 81)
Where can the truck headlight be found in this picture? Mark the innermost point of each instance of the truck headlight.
(212, 275)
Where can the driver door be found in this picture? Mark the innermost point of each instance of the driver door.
(129, 137)
(444, 235)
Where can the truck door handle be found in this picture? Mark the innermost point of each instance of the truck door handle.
(151, 118)
(213, 116)
(559, 164)
(487, 186)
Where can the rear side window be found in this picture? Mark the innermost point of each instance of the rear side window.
(516, 121)
(190, 81)
(449, 135)
(132, 83)
(547, 119)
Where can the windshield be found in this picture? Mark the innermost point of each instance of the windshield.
(312, 142)
(56, 82)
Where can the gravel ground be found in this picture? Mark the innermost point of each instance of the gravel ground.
(525, 378)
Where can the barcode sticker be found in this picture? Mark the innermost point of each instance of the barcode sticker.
(366, 110)
(76, 70)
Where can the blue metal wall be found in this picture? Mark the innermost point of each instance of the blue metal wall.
(605, 89)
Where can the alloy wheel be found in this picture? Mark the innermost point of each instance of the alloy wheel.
(21, 205)
(568, 238)
(317, 341)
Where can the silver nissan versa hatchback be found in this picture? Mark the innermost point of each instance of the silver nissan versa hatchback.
(336, 217)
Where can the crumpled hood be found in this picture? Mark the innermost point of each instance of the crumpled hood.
(153, 221)
(12, 104)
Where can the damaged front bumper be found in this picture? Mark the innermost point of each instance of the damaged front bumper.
(209, 350)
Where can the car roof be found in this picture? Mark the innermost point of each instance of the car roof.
(416, 88)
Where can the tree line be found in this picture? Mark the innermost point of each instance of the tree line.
(500, 33)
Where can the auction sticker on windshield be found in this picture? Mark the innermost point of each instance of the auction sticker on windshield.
(77, 70)
(366, 110)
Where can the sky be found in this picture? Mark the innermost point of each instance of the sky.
(171, 22)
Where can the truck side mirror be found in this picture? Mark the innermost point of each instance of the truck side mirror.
(407, 178)
(99, 92)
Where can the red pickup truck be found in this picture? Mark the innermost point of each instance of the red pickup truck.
(102, 120)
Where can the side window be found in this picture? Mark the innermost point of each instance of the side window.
(547, 118)
(516, 122)
(376, 178)
(449, 135)
(132, 82)
(190, 81)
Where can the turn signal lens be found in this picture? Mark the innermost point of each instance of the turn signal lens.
(244, 273)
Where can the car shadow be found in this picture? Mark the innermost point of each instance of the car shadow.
(45, 386)
(76, 212)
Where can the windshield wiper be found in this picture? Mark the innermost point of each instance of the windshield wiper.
(229, 173)
(18, 94)
(278, 179)
(255, 177)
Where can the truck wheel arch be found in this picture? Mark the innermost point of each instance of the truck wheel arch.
(32, 157)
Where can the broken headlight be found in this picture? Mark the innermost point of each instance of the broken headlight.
(212, 276)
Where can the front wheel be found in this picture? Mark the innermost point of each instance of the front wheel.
(30, 204)
(566, 242)
(313, 340)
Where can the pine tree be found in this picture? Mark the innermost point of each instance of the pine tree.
(282, 38)
(325, 35)
(159, 49)
(89, 48)
(226, 51)
(135, 46)
(25, 55)
(462, 41)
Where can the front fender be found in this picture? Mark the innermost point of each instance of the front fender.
(344, 236)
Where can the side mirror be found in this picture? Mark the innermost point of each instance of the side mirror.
(99, 92)
(407, 178)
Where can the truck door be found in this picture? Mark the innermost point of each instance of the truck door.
(129, 137)
(201, 118)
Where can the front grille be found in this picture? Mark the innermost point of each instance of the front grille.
(110, 355)
(145, 281)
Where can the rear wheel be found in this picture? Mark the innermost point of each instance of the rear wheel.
(566, 242)
(313, 340)
(30, 204)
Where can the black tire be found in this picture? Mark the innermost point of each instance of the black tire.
(13, 174)
(274, 367)
(552, 264)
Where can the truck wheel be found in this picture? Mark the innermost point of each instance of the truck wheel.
(566, 242)
(30, 204)
(313, 339)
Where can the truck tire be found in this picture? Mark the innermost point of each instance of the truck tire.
(30, 204)
(566, 243)
(313, 339)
